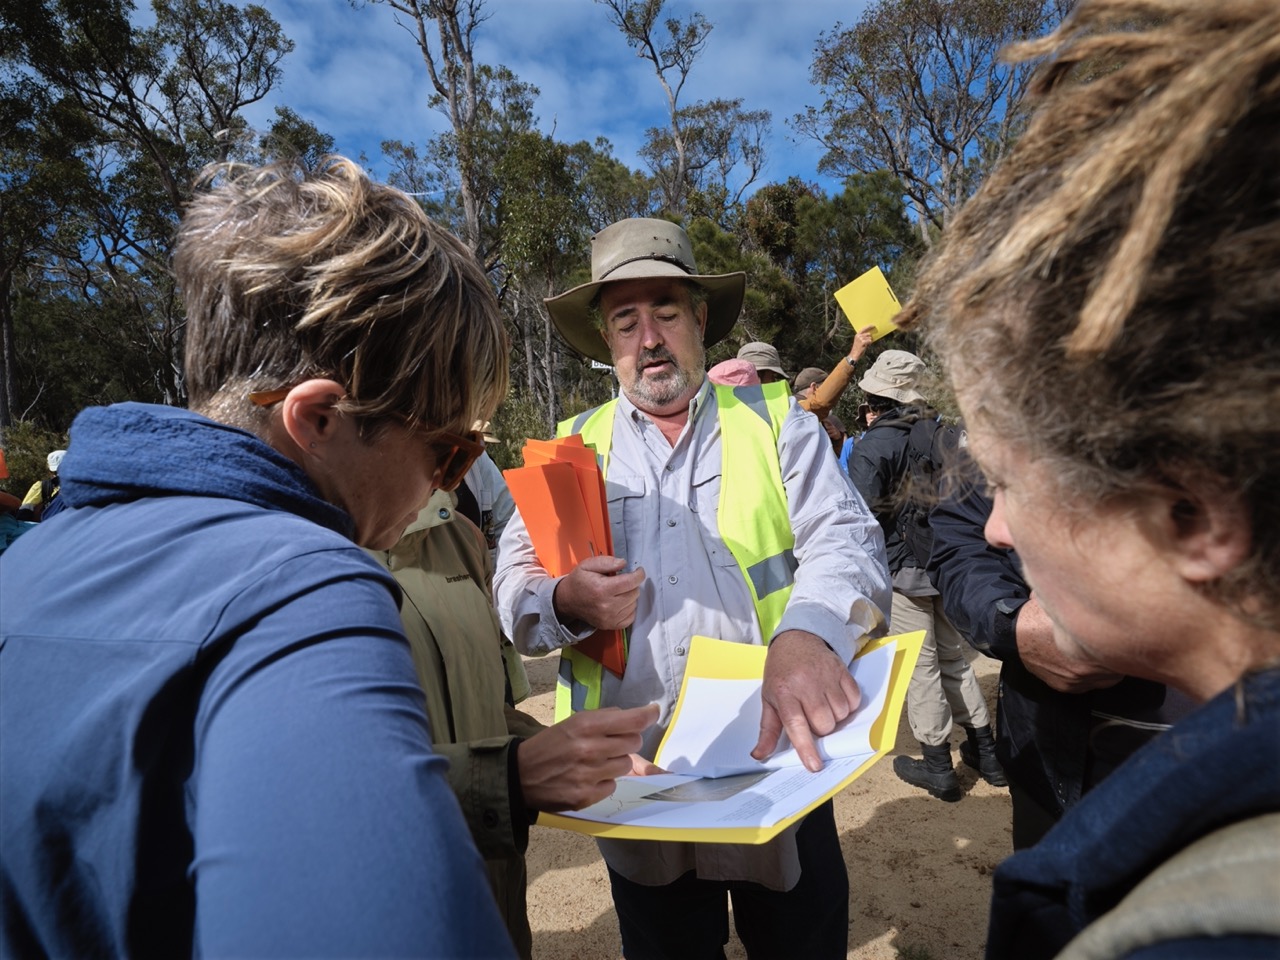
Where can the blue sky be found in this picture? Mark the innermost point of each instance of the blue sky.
(359, 77)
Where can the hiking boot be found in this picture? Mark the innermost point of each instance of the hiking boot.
(979, 752)
(934, 773)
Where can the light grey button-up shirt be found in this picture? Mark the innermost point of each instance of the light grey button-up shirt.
(663, 500)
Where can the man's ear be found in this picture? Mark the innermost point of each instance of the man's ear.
(1211, 533)
(702, 319)
(308, 415)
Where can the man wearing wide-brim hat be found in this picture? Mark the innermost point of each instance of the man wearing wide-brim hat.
(777, 550)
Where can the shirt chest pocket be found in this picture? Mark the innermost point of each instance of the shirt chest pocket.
(625, 498)
(704, 510)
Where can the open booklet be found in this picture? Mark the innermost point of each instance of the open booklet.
(713, 791)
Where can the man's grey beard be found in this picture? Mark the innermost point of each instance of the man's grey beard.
(653, 394)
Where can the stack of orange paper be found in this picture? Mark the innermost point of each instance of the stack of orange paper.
(560, 494)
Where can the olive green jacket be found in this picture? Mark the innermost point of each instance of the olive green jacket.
(444, 569)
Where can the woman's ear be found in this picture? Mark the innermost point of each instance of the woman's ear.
(308, 415)
(1211, 533)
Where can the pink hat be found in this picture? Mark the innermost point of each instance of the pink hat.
(734, 373)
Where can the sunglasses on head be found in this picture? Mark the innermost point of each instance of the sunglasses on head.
(452, 453)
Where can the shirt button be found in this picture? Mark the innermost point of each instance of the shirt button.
(680, 651)
(671, 523)
(444, 513)
(673, 579)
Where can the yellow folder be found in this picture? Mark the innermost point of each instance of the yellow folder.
(748, 803)
(869, 300)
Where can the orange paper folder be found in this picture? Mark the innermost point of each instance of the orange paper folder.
(560, 494)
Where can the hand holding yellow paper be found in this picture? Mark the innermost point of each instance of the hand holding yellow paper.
(714, 791)
(869, 301)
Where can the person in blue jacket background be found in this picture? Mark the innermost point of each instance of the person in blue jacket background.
(214, 742)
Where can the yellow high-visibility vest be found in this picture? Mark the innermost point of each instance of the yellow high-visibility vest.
(752, 516)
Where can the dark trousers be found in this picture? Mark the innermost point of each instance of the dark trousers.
(689, 918)
(1030, 820)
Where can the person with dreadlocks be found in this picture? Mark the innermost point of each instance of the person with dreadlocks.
(1107, 307)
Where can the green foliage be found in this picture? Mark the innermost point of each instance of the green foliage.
(26, 446)
(111, 125)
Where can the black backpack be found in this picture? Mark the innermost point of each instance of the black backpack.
(927, 446)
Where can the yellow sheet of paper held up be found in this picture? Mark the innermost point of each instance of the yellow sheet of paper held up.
(870, 300)
(713, 791)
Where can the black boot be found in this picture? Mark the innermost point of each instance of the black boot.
(979, 752)
(934, 773)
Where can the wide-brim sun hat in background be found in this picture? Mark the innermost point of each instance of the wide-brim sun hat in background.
(642, 249)
(896, 375)
(763, 357)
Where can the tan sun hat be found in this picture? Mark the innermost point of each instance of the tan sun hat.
(895, 375)
(482, 427)
(635, 249)
(763, 357)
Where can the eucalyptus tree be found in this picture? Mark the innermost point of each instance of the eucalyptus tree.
(153, 105)
(917, 87)
(711, 152)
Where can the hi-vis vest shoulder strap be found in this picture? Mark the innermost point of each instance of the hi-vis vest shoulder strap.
(752, 517)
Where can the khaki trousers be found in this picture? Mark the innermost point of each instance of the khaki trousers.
(943, 687)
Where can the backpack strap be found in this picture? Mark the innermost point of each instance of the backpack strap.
(1227, 883)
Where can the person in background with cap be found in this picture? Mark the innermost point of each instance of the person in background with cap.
(819, 392)
(943, 686)
(786, 554)
(42, 492)
(765, 359)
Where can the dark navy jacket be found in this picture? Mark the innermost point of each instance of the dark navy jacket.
(1044, 735)
(1219, 765)
(213, 739)
(878, 465)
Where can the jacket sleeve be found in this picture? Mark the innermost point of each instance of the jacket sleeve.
(828, 394)
(324, 824)
(482, 776)
(842, 589)
(872, 470)
(981, 586)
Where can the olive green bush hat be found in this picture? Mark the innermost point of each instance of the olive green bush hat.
(635, 249)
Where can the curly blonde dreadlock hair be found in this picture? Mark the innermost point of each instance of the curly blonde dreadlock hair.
(1110, 299)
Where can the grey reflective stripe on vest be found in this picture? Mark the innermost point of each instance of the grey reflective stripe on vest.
(753, 396)
(581, 420)
(577, 691)
(773, 573)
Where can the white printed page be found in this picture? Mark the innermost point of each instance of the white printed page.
(718, 724)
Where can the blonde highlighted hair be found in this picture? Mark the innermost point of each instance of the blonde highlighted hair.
(1110, 298)
(289, 274)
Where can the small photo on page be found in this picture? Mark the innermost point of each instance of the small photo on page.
(706, 788)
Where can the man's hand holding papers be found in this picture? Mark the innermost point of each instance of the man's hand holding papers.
(599, 594)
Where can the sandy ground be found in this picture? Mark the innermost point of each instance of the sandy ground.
(919, 869)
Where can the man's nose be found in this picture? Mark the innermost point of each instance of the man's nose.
(650, 333)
